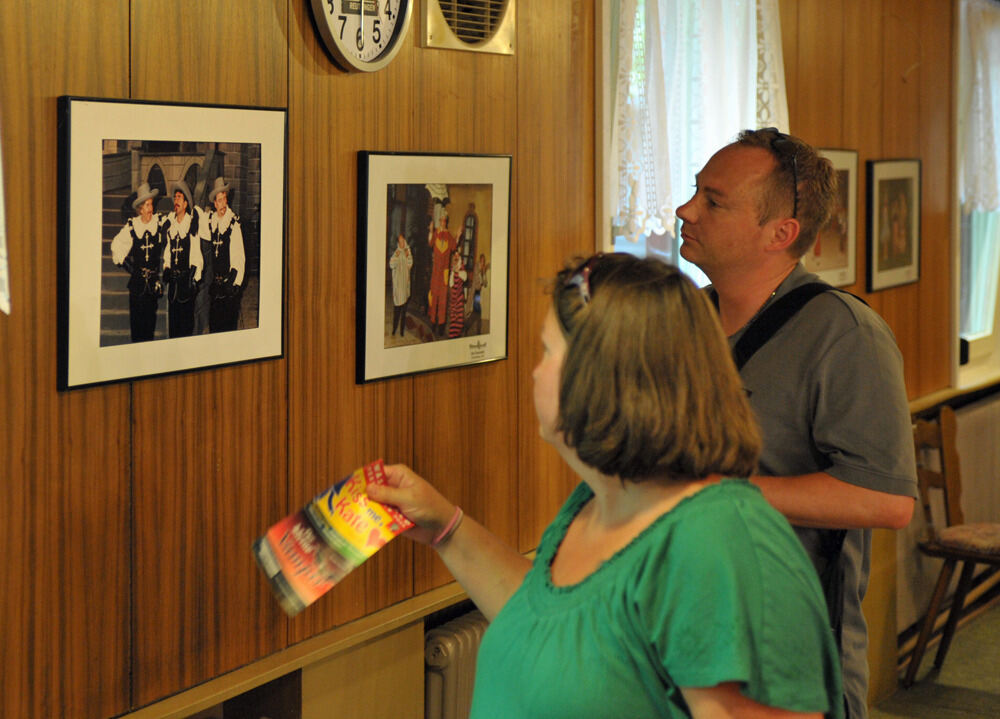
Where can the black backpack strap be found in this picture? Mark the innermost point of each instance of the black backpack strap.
(771, 320)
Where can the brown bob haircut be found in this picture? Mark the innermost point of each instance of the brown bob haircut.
(648, 386)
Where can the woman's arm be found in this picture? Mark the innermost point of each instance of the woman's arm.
(487, 569)
(724, 701)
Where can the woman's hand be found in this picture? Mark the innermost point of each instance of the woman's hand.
(489, 570)
(419, 502)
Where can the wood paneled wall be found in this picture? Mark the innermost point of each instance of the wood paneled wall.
(876, 76)
(128, 574)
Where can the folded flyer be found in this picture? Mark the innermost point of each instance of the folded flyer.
(308, 552)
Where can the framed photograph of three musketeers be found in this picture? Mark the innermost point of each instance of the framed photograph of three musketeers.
(171, 237)
(433, 232)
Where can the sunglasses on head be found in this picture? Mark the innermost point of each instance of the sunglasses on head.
(580, 277)
(784, 146)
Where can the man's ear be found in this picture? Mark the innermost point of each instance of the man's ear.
(784, 234)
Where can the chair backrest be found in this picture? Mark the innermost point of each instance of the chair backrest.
(935, 438)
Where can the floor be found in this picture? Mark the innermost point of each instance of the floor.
(968, 685)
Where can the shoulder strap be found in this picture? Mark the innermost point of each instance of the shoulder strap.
(772, 319)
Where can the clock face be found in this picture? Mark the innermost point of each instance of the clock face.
(362, 34)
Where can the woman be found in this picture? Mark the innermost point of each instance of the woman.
(663, 588)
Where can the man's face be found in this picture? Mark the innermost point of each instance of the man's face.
(180, 204)
(221, 202)
(146, 209)
(721, 228)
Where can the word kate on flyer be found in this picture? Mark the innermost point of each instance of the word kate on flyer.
(308, 552)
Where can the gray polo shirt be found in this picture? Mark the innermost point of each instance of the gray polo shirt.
(828, 392)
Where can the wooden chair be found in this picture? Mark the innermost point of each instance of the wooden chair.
(970, 544)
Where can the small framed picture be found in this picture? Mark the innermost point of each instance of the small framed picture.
(171, 222)
(833, 256)
(893, 223)
(432, 261)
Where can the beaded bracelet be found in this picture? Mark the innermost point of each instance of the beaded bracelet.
(449, 529)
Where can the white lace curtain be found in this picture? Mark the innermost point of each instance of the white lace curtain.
(688, 75)
(979, 162)
(979, 105)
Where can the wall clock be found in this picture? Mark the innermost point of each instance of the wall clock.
(362, 34)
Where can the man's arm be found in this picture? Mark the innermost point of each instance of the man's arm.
(822, 500)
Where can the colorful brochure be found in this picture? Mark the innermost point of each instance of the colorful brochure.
(308, 552)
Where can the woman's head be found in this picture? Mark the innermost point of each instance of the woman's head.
(648, 387)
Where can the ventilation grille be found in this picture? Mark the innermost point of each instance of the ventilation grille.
(473, 25)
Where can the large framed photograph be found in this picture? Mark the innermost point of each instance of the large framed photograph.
(893, 223)
(433, 235)
(833, 257)
(171, 223)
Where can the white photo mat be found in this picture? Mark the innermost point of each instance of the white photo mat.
(833, 257)
(377, 171)
(88, 122)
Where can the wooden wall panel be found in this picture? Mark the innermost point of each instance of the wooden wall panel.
(862, 104)
(901, 60)
(555, 200)
(815, 115)
(335, 425)
(935, 331)
(64, 612)
(209, 448)
(464, 420)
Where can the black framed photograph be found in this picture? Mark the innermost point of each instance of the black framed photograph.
(833, 257)
(893, 223)
(171, 224)
(433, 233)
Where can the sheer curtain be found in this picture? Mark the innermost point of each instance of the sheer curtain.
(979, 163)
(689, 74)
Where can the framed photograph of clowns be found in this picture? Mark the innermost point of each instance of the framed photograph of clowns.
(432, 261)
(171, 220)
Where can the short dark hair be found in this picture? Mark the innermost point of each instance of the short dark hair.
(648, 385)
(816, 191)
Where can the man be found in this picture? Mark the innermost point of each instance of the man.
(228, 261)
(827, 388)
(138, 247)
(185, 228)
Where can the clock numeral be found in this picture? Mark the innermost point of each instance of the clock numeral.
(343, 22)
(330, 3)
(360, 39)
(376, 32)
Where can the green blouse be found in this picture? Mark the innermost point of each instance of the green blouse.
(717, 589)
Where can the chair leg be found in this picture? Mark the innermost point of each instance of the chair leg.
(957, 602)
(944, 579)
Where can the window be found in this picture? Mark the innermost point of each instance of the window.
(683, 78)
(978, 176)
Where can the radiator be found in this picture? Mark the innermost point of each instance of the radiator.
(450, 656)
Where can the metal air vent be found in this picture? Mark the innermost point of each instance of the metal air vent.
(472, 25)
